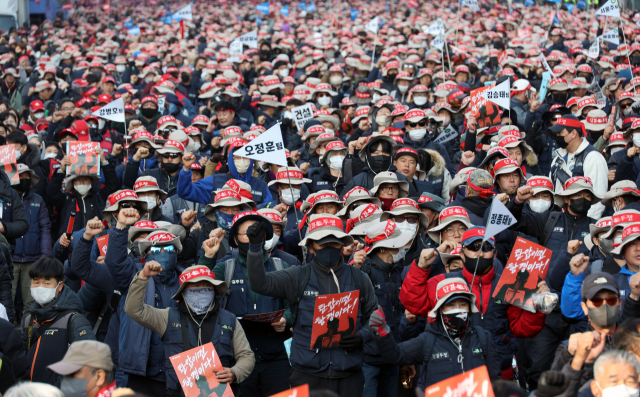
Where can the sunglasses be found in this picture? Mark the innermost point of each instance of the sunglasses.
(475, 247)
(420, 123)
(130, 205)
(166, 248)
(170, 155)
(624, 105)
(409, 218)
(597, 302)
(169, 130)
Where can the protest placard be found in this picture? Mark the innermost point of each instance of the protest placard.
(527, 266)
(103, 241)
(83, 158)
(474, 382)
(334, 315)
(8, 158)
(302, 114)
(196, 370)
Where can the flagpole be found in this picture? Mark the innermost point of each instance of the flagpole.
(446, 46)
(373, 53)
(483, 240)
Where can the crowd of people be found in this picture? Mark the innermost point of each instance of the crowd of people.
(179, 240)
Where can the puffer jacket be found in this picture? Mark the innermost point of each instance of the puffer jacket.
(6, 275)
(13, 217)
(37, 241)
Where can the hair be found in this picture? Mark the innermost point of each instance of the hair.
(627, 336)
(47, 268)
(109, 376)
(386, 147)
(294, 102)
(629, 198)
(33, 389)
(17, 137)
(614, 356)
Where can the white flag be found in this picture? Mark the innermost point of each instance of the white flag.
(373, 25)
(610, 8)
(594, 49)
(267, 147)
(436, 28)
(112, 111)
(499, 219)
(500, 95)
(544, 63)
(611, 36)
(183, 13)
(438, 42)
(302, 114)
(470, 3)
(235, 50)
(250, 39)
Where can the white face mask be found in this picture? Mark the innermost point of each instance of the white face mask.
(43, 295)
(406, 227)
(335, 162)
(120, 68)
(324, 101)
(335, 80)
(50, 156)
(271, 244)
(290, 196)
(287, 115)
(616, 149)
(151, 202)
(445, 122)
(344, 54)
(636, 139)
(284, 73)
(619, 391)
(403, 88)
(101, 123)
(399, 256)
(540, 205)
(418, 134)
(330, 131)
(420, 101)
(38, 115)
(148, 79)
(242, 165)
(380, 120)
(18, 154)
(82, 189)
(617, 240)
(199, 299)
(196, 146)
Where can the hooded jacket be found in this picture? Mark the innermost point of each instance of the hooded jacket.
(13, 216)
(36, 242)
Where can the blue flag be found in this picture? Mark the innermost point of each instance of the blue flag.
(554, 1)
(570, 7)
(167, 19)
(258, 20)
(128, 24)
(263, 8)
(285, 11)
(302, 5)
(354, 14)
(581, 4)
(135, 30)
(555, 21)
(311, 7)
(510, 9)
(529, 3)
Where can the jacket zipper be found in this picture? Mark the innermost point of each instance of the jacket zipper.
(481, 304)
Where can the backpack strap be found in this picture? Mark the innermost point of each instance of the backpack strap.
(304, 273)
(277, 263)
(103, 311)
(72, 316)
(347, 171)
(429, 342)
(548, 227)
(484, 341)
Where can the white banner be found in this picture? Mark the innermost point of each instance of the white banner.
(183, 13)
(611, 36)
(302, 114)
(500, 95)
(250, 39)
(448, 134)
(438, 42)
(543, 62)
(436, 28)
(235, 50)
(112, 111)
(594, 49)
(610, 9)
(268, 147)
(373, 25)
(499, 219)
(470, 3)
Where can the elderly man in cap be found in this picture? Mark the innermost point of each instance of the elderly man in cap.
(266, 339)
(334, 368)
(86, 370)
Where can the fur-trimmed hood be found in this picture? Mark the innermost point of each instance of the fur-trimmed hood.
(438, 164)
(532, 159)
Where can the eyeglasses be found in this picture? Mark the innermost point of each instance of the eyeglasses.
(612, 301)
(625, 105)
(166, 248)
(66, 109)
(412, 219)
(475, 247)
(169, 129)
(420, 123)
(392, 188)
(451, 231)
(170, 155)
(127, 205)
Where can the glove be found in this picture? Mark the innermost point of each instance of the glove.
(351, 342)
(378, 323)
(256, 233)
(216, 158)
(552, 383)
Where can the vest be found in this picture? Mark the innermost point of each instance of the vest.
(317, 360)
(559, 237)
(433, 185)
(559, 174)
(106, 143)
(47, 346)
(175, 335)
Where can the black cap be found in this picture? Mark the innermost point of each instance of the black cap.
(596, 282)
(559, 127)
(434, 203)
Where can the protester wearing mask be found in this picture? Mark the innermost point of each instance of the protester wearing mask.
(419, 96)
(451, 333)
(36, 243)
(444, 112)
(621, 195)
(86, 369)
(431, 205)
(317, 148)
(194, 305)
(29, 155)
(327, 273)
(57, 306)
(148, 113)
(411, 222)
(272, 368)
(379, 115)
(558, 92)
(615, 374)
(542, 190)
(576, 157)
(435, 179)
(361, 219)
(329, 176)
(36, 111)
(166, 175)
(389, 72)
(402, 82)
(624, 162)
(146, 188)
(323, 96)
(274, 247)
(142, 157)
(387, 188)
(289, 183)
(417, 135)
(374, 157)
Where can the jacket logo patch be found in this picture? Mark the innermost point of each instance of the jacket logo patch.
(477, 351)
(436, 181)
(176, 325)
(35, 204)
(82, 333)
(234, 282)
(256, 193)
(52, 332)
(377, 286)
(322, 183)
(310, 293)
(437, 356)
(224, 326)
(558, 230)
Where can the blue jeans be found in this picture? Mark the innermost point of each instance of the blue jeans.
(380, 380)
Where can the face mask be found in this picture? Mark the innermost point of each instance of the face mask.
(375, 97)
(386, 203)
(328, 256)
(290, 196)
(616, 150)
(72, 387)
(540, 205)
(636, 139)
(455, 322)
(101, 124)
(617, 240)
(616, 391)
(271, 244)
(284, 73)
(473, 69)
(407, 227)
(580, 206)
(418, 135)
(562, 144)
(134, 249)
(335, 162)
(403, 88)
(420, 101)
(148, 79)
(242, 165)
(606, 246)
(170, 168)
(324, 101)
(151, 202)
(380, 163)
(335, 80)
(627, 111)
(44, 295)
(224, 220)
(50, 155)
(381, 120)
(604, 316)
(484, 264)
(25, 185)
(120, 68)
(82, 189)
(445, 123)
(148, 112)
(399, 256)
(18, 154)
(329, 131)
(199, 299)
(344, 54)
(38, 115)
(168, 261)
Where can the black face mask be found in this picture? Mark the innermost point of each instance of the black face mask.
(595, 135)
(380, 163)
(389, 78)
(473, 69)
(484, 265)
(243, 248)
(635, 60)
(265, 54)
(560, 98)
(171, 167)
(580, 206)
(148, 112)
(562, 144)
(25, 185)
(186, 77)
(135, 249)
(328, 256)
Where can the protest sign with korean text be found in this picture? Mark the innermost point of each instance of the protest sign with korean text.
(103, 242)
(334, 315)
(112, 111)
(196, 370)
(8, 158)
(474, 383)
(83, 158)
(302, 114)
(500, 94)
(267, 147)
(527, 266)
